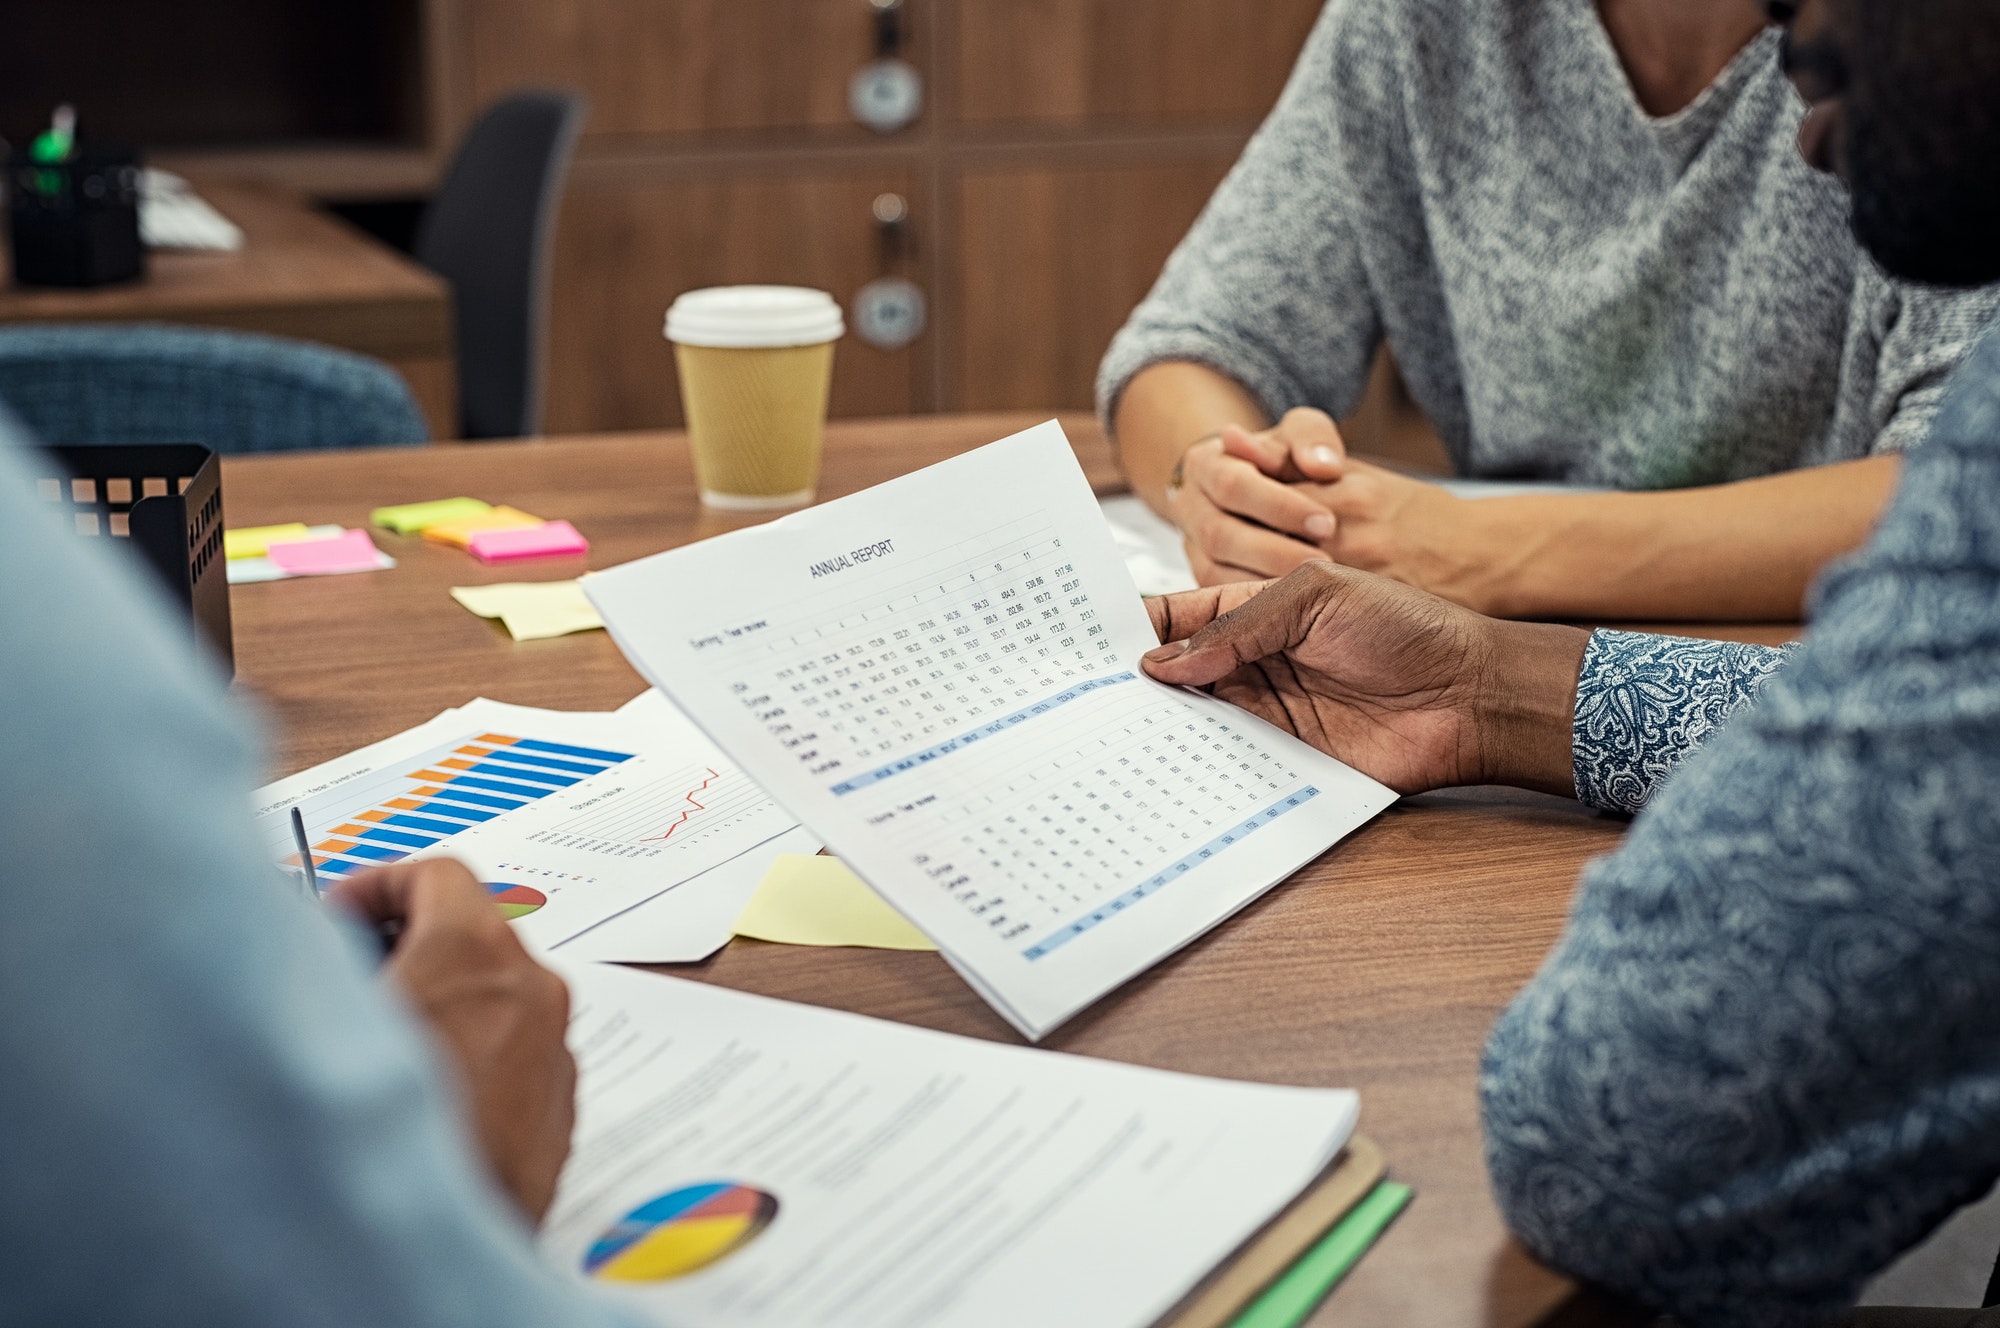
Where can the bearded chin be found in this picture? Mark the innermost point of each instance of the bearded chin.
(1923, 224)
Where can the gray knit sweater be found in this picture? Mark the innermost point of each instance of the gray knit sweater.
(1572, 289)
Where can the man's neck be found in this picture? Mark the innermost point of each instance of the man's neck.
(1673, 49)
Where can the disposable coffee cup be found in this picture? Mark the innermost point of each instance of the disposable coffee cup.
(756, 363)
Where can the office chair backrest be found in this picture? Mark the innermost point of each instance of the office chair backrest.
(124, 383)
(488, 232)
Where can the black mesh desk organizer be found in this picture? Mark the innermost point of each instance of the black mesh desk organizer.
(166, 500)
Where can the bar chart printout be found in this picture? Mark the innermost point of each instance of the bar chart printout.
(940, 677)
(565, 831)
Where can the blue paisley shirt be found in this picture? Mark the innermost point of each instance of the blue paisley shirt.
(1765, 1057)
(1644, 702)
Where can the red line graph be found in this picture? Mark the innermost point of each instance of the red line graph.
(693, 807)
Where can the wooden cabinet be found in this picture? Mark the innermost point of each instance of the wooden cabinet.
(1061, 148)
(681, 67)
(630, 244)
(1049, 262)
(1160, 61)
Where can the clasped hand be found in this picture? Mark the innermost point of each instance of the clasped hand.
(1253, 505)
(1404, 686)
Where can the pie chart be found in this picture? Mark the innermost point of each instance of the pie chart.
(515, 901)
(681, 1232)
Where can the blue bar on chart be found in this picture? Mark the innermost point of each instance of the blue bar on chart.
(454, 789)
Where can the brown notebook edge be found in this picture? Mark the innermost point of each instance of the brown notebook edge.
(1262, 1259)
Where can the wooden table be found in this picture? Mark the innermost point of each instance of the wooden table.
(300, 273)
(1378, 967)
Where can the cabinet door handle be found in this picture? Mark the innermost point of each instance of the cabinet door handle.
(888, 28)
(887, 93)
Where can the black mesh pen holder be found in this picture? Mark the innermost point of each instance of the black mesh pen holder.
(166, 500)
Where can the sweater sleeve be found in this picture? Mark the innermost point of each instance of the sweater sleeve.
(211, 1112)
(1903, 343)
(1268, 287)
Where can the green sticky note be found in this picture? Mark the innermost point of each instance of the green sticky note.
(1304, 1285)
(415, 516)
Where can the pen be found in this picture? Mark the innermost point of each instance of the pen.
(387, 933)
(305, 853)
(53, 145)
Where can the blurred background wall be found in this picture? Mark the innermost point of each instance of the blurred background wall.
(1057, 151)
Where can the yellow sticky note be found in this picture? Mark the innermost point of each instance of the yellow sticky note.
(458, 533)
(532, 610)
(255, 541)
(811, 899)
(415, 516)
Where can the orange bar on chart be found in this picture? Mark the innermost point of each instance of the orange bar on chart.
(332, 846)
(496, 739)
(404, 804)
(435, 776)
(475, 751)
(374, 816)
(423, 793)
(457, 764)
(350, 830)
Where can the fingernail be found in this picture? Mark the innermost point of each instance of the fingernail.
(1319, 527)
(1172, 650)
(1326, 456)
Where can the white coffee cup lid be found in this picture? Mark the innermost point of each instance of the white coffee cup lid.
(746, 316)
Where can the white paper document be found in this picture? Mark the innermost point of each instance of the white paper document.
(939, 677)
(570, 819)
(743, 1162)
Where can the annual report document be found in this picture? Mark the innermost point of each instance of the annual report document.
(940, 678)
(748, 1162)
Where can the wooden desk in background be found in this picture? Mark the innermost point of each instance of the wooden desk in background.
(300, 273)
(1378, 967)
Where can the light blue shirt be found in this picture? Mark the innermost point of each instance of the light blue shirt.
(211, 1114)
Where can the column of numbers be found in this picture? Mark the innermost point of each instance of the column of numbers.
(969, 650)
(1056, 841)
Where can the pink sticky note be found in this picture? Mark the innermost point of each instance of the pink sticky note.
(350, 551)
(548, 540)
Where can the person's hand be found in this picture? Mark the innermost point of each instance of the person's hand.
(1241, 501)
(1407, 688)
(500, 1015)
(1417, 533)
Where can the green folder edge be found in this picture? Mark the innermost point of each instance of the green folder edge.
(1300, 1289)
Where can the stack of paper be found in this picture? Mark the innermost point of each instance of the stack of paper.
(628, 833)
(940, 677)
(750, 1162)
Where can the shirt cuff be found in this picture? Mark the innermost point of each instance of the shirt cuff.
(1644, 703)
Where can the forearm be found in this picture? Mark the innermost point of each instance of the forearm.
(1165, 408)
(1731, 552)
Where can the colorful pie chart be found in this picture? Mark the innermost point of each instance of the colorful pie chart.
(515, 901)
(680, 1232)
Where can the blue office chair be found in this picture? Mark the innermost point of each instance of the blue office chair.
(488, 231)
(125, 383)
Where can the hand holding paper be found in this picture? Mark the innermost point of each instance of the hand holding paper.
(939, 677)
